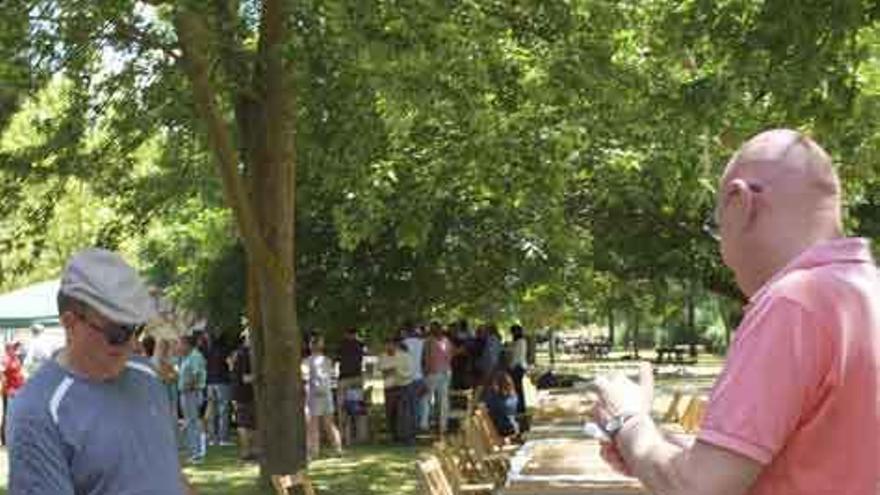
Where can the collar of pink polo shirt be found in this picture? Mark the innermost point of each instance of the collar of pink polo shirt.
(842, 250)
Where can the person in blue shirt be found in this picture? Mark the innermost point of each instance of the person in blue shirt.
(490, 354)
(501, 401)
(94, 419)
(191, 383)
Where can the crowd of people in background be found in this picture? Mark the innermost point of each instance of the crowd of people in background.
(210, 383)
(422, 364)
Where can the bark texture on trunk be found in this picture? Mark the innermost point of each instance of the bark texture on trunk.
(258, 169)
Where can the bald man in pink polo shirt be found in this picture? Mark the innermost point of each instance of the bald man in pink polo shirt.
(797, 408)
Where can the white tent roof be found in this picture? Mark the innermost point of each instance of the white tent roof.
(32, 304)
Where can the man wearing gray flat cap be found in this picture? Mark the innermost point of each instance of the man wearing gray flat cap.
(94, 419)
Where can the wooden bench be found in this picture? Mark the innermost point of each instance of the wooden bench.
(431, 477)
(466, 397)
(285, 483)
(490, 464)
(491, 436)
(672, 414)
(693, 415)
(451, 461)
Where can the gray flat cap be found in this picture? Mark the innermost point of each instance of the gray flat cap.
(106, 283)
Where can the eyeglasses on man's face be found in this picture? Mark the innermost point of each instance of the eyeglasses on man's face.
(712, 225)
(115, 334)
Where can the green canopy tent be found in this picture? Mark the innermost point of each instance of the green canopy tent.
(30, 305)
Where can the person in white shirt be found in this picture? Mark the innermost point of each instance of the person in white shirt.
(415, 345)
(39, 350)
(398, 379)
(320, 404)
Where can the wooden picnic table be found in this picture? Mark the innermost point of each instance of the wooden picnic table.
(569, 404)
(565, 467)
(555, 429)
(676, 354)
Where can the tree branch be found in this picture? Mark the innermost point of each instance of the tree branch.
(238, 68)
(129, 32)
(191, 33)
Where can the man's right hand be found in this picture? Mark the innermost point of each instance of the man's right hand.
(612, 456)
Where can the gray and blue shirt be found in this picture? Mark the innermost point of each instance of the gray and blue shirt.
(69, 435)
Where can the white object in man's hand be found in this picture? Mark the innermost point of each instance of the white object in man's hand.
(619, 396)
(596, 432)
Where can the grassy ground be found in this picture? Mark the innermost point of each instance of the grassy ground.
(366, 470)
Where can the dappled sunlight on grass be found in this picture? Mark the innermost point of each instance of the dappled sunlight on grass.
(223, 473)
(368, 470)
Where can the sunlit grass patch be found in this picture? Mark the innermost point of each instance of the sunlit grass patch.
(367, 470)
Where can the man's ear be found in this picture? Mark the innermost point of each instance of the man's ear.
(741, 197)
(67, 319)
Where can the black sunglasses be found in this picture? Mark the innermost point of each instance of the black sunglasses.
(113, 333)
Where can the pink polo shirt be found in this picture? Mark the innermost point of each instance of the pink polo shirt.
(439, 358)
(800, 392)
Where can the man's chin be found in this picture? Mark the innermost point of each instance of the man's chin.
(118, 355)
(116, 361)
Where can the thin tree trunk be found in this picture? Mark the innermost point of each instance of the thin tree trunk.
(636, 331)
(611, 326)
(691, 319)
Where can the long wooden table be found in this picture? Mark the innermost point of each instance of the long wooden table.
(570, 405)
(565, 467)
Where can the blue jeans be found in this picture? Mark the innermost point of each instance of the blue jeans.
(191, 402)
(218, 424)
(438, 394)
(422, 404)
(406, 413)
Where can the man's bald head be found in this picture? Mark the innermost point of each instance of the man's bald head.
(787, 155)
(778, 196)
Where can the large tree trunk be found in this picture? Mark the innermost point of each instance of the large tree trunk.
(273, 190)
(263, 203)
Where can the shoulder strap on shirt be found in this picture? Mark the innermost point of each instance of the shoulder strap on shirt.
(142, 367)
(58, 396)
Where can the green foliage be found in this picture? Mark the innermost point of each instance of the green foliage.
(539, 160)
(197, 256)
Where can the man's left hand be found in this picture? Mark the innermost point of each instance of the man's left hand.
(618, 395)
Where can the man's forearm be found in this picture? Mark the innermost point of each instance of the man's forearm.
(682, 466)
(656, 461)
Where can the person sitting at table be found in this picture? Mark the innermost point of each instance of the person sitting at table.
(501, 400)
